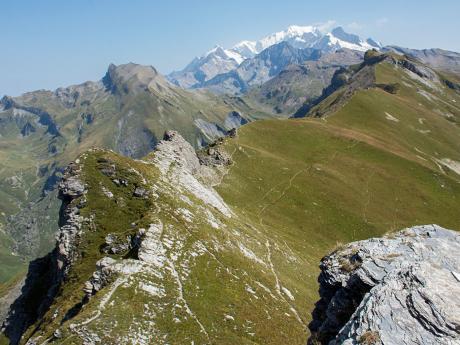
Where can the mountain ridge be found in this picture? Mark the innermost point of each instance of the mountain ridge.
(214, 232)
(221, 61)
(127, 111)
(223, 244)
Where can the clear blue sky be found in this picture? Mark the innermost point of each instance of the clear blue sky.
(46, 44)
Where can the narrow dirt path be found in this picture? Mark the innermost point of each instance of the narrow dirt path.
(278, 285)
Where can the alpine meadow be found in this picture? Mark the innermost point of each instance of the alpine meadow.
(300, 188)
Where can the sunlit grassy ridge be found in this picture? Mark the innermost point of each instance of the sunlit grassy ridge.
(297, 188)
(371, 167)
(129, 118)
(228, 294)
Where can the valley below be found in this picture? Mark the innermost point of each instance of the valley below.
(280, 199)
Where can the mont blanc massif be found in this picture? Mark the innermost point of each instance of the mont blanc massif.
(299, 189)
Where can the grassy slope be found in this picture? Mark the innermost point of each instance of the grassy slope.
(214, 283)
(10, 264)
(18, 182)
(117, 122)
(298, 188)
(313, 183)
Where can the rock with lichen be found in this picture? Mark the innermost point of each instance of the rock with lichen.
(399, 289)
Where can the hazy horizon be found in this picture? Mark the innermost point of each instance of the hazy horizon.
(54, 44)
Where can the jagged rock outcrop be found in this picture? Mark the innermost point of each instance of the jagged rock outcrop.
(399, 289)
(420, 70)
(138, 251)
(70, 221)
(234, 120)
(101, 277)
(214, 156)
(213, 131)
(46, 274)
(175, 149)
(27, 129)
(179, 162)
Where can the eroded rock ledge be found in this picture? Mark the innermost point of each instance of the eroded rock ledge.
(46, 274)
(399, 289)
(136, 257)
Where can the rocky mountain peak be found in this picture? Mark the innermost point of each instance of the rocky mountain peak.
(219, 61)
(130, 70)
(217, 51)
(6, 102)
(340, 33)
(131, 76)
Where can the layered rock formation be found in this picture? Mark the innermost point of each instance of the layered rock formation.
(135, 253)
(128, 111)
(46, 274)
(399, 289)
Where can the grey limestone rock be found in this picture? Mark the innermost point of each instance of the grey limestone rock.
(140, 192)
(100, 277)
(71, 187)
(174, 148)
(400, 289)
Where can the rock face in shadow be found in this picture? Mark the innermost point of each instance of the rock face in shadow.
(46, 274)
(33, 300)
(400, 289)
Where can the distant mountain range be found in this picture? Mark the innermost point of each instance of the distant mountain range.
(128, 110)
(268, 72)
(222, 245)
(213, 235)
(219, 60)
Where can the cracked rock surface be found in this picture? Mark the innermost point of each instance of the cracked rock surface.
(400, 289)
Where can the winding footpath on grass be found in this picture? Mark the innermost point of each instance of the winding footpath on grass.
(278, 285)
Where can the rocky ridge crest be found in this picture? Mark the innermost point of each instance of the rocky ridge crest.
(46, 274)
(179, 166)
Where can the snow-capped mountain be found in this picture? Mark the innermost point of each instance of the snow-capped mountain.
(260, 68)
(297, 36)
(220, 60)
(216, 61)
(339, 39)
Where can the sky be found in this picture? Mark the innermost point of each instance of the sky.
(52, 43)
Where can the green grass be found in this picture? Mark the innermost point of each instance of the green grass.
(14, 278)
(211, 290)
(11, 265)
(298, 189)
(315, 182)
(317, 188)
(109, 218)
(118, 123)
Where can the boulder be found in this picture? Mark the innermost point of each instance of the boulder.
(399, 289)
(71, 187)
(139, 192)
